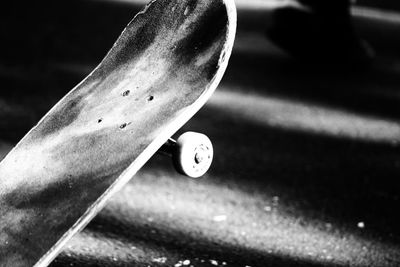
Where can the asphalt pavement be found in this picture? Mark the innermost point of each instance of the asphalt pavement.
(306, 161)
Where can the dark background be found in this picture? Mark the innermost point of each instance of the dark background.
(307, 156)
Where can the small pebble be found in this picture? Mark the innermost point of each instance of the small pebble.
(160, 260)
(267, 208)
(361, 225)
(214, 262)
(220, 218)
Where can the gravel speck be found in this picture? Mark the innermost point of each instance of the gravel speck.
(220, 218)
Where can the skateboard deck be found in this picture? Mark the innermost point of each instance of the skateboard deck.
(159, 73)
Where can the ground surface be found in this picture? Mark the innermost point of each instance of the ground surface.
(307, 158)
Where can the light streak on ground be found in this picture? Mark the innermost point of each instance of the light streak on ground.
(244, 4)
(376, 14)
(257, 5)
(158, 201)
(303, 116)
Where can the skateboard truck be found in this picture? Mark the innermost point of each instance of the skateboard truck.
(192, 153)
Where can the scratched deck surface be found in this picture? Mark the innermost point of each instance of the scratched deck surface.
(168, 58)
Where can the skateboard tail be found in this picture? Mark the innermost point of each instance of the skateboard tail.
(159, 137)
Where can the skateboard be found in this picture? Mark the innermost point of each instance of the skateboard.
(161, 70)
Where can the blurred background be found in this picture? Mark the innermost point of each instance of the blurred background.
(305, 124)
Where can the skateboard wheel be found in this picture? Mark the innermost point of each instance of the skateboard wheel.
(193, 154)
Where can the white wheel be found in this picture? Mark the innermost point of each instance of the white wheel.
(193, 154)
